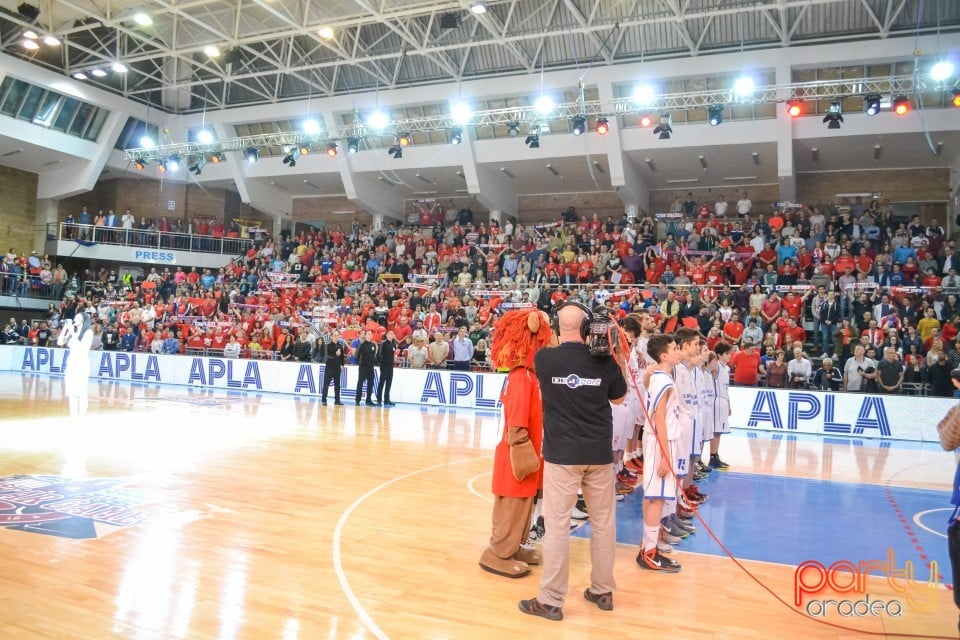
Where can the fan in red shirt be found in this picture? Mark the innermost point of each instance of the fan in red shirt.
(746, 366)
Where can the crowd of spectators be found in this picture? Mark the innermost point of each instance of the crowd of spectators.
(847, 296)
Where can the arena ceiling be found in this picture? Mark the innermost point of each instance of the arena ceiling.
(272, 50)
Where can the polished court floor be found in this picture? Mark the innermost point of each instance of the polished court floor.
(168, 512)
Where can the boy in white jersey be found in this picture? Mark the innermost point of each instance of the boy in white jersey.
(704, 424)
(708, 401)
(633, 457)
(724, 352)
(683, 376)
(662, 445)
(625, 414)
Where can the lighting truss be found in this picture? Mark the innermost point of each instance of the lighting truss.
(512, 116)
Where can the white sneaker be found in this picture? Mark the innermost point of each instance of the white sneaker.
(579, 515)
(663, 547)
(620, 497)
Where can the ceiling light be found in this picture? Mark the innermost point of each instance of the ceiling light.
(644, 95)
(403, 139)
(143, 19)
(715, 114)
(332, 149)
(30, 34)
(80, 75)
(198, 165)
(871, 104)
(834, 116)
(217, 158)
(162, 167)
(252, 154)
(119, 67)
(544, 105)
(664, 128)
(51, 41)
(304, 148)
(513, 128)
(478, 8)
(30, 44)
(578, 125)
(794, 107)
(98, 72)
(147, 142)
(941, 71)
(646, 121)
(204, 136)
(461, 113)
(311, 127)
(744, 86)
(173, 163)
(211, 51)
(533, 138)
(456, 135)
(353, 145)
(901, 105)
(138, 164)
(396, 151)
(378, 120)
(956, 97)
(603, 126)
(325, 32)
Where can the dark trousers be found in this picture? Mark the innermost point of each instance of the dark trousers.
(331, 373)
(386, 382)
(365, 375)
(953, 547)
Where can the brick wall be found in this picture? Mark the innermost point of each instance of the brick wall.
(536, 208)
(899, 185)
(761, 195)
(18, 209)
(313, 209)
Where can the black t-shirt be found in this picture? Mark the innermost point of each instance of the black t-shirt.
(889, 371)
(576, 388)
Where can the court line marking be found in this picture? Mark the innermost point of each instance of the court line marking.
(365, 617)
(917, 516)
(473, 489)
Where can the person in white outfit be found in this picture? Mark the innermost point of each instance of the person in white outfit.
(77, 337)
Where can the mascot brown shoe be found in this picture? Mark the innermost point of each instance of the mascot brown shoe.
(506, 567)
(530, 555)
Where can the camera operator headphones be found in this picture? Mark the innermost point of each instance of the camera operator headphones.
(584, 323)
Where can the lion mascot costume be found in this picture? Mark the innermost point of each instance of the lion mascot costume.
(517, 467)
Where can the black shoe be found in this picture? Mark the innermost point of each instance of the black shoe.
(389, 404)
(372, 404)
(603, 600)
(338, 403)
(581, 504)
(323, 400)
(717, 463)
(656, 561)
(536, 608)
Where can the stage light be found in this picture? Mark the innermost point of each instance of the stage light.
(311, 127)
(332, 149)
(396, 151)
(211, 51)
(533, 138)
(119, 67)
(51, 41)
(143, 20)
(353, 145)
(139, 164)
(290, 155)
(603, 126)
(378, 120)
(794, 107)
(198, 166)
(513, 129)
(30, 34)
(643, 95)
(461, 113)
(478, 8)
(30, 44)
(162, 167)
(456, 135)
(100, 73)
(29, 11)
(871, 104)
(403, 139)
(217, 158)
(304, 148)
(646, 121)
(543, 105)
(204, 136)
(715, 114)
(664, 128)
(325, 32)
(941, 71)
(744, 86)
(834, 116)
(251, 154)
(901, 105)
(578, 125)
(956, 97)
(173, 163)
(80, 75)
(147, 142)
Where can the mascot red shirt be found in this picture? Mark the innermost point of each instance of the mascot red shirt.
(522, 407)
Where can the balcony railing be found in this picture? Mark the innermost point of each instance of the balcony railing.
(231, 243)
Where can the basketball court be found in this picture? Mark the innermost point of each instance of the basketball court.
(170, 512)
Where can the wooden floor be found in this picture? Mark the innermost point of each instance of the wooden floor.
(281, 518)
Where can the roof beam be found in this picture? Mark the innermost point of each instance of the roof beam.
(577, 15)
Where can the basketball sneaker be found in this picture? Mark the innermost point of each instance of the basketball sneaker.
(619, 497)
(702, 468)
(669, 539)
(536, 531)
(623, 489)
(686, 513)
(635, 465)
(627, 478)
(682, 524)
(536, 608)
(603, 600)
(667, 525)
(717, 463)
(579, 514)
(663, 547)
(698, 475)
(653, 560)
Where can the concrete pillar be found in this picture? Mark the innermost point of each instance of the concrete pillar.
(46, 214)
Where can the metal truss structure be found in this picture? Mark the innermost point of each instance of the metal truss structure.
(269, 51)
(822, 90)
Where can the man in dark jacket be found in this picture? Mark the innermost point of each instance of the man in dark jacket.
(386, 354)
(333, 364)
(367, 359)
(302, 349)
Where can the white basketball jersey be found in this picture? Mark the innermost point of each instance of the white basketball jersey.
(660, 383)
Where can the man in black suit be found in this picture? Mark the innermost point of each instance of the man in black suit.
(386, 354)
(367, 359)
(333, 364)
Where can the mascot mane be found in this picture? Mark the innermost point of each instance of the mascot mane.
(519, 334)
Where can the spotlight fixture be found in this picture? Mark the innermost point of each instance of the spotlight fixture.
(311, 127)
(901, 105)
(252, 154)
(664, 128)
(602, 126)
(744, 86)
(143, 19)
(204, 136)
(513, 128)
(353, 145)
(332, 149)
(30, 44)
(30, 34)
(794, 107)
(543, 105)
(139, 164)
(834, 116)
(51, 41)
(456, 135)
(578, 125)
(79, 75)
(396, 151)
(304, 148)
(217, 158)
(211, 51)
(290, 156)
(871, 104)
(644, 95)
(956, 97)
(715, 114)
(533, 138)
(162, 167)
(29, 11)
(461, 113)
(196, 167)
(645, 121)
(325, 32)
(378, 120)
(478, 8)
(147, 142)
(173, 163)
(119, 67)
(939, 72)
(403, 139)
(99, 73)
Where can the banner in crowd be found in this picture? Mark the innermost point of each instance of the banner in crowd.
(838, 414)
(788, 411)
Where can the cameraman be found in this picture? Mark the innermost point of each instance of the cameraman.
(577, 389)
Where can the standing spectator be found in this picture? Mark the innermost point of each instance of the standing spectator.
(827, 316)
(858, 370)
(232, 348)
(720, 208)
(744, 206)
(890, 372)
(462, 350)
(367, 359)
(417, 352)
(438, 352)
(776, 372)
(746, 366)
